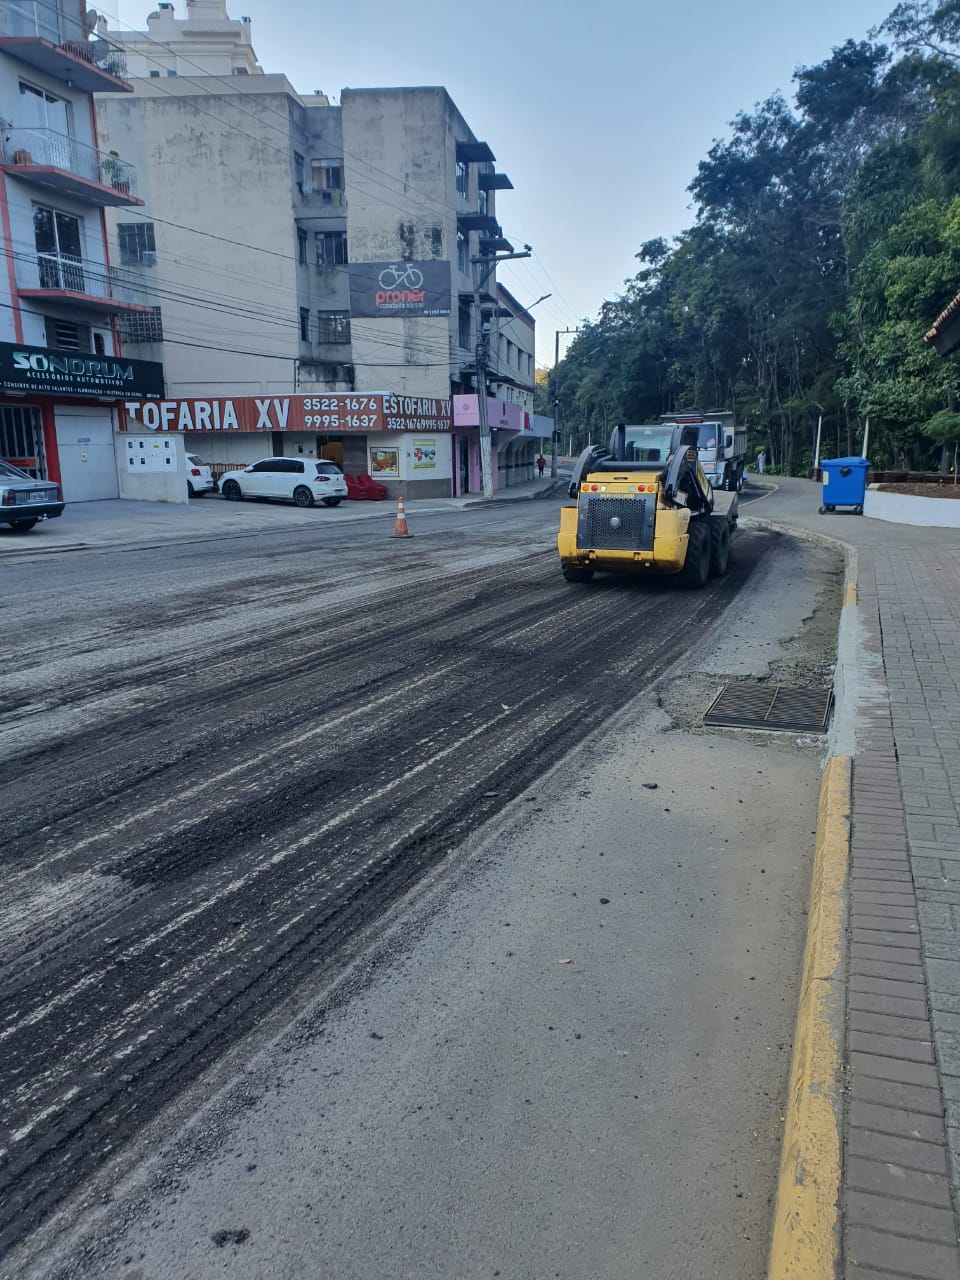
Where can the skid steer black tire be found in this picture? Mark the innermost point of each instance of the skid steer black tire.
(574, 574)
(696, 567)
(719, 546)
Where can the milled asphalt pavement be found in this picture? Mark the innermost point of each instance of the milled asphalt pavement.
(901, 724)
(565, 1055)
(468, 1104)
(121, 522)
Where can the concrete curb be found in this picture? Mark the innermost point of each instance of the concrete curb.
(806, 1230)
(807, 1224)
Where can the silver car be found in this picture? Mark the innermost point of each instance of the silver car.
(24, 501)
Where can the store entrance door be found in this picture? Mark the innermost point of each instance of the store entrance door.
(88, 462)
(463, 467)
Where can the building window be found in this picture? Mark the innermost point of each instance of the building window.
(137, 243)
(331, 248)
(463, 253)
(59, 249)
(154, 75)
(333, 326)
(461, 178)
(40, 109)
(140, 326)
(304, 325)
(302, 246)
(327, 177)
(64, 335)
(509, 353)
(171, 73)
(463, 327)
(483, 202)
(298, 163)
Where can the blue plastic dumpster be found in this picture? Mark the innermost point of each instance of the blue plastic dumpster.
(844, 483)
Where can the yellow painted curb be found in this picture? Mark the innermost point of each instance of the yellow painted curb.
(850, 593)
(805, 1243)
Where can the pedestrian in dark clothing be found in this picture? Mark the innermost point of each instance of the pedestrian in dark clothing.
(541, 463)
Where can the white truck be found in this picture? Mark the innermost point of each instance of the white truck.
(722, 446)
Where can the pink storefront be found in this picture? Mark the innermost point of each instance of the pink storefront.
(509, 423)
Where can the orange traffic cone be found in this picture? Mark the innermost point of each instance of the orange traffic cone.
(400, 529)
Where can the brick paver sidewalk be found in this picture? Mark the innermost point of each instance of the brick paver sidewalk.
(901, 1175)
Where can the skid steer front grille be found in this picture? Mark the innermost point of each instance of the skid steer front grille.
(617, 523)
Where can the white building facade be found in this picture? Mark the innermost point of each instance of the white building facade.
(293, 247)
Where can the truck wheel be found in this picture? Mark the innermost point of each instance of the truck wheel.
(719, 546)
(739, 479)
(573, 573)
(696, 567)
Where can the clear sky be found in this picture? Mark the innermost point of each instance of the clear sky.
(599, 112)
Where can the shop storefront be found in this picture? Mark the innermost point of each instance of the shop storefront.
(59, 411)
(403, 442)
(514, 447)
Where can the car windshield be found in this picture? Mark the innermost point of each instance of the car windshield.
(12, 473)
(327, 469)
(648, 444)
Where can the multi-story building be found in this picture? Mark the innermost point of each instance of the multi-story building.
(292, 246)
(62, 373)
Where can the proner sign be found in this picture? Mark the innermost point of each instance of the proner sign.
(384, 290)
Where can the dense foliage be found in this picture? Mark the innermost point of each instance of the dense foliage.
(827, 240)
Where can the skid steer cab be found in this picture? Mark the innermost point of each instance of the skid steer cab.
(644, 505)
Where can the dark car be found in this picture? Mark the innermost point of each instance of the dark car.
(24, 501)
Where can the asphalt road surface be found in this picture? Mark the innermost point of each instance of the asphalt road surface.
(218, 764)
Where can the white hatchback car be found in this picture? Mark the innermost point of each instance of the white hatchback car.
(199, 477)
(300, 480)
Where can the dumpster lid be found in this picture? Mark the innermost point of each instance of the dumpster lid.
(844, 462)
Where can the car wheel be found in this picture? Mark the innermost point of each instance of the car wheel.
(302, 496)
(331, 502)
(22, 526)
(231, 491)
(191, 491)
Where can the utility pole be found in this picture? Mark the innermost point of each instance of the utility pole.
(556, 400)
(480, 278)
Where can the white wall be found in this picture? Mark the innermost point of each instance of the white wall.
(233, 290)
(907, 508)
(144, 483)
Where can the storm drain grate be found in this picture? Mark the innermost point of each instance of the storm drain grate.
(751, 705)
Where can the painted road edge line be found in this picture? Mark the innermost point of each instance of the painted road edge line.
(806, 1229)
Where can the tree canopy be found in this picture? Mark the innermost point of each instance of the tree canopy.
(826, 240)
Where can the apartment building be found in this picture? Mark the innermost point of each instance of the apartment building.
(309, 252)
(63, 373)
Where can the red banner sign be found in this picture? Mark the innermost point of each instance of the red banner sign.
(336, 413)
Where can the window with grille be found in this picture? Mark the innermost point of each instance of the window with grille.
(140, 326)
(463, 328)
(64, 335)
(461, 178)
(302, 246)
(462, 253)
(327, 175)
(304, 325)
(137, 243)
(331, 248)
(333, 326)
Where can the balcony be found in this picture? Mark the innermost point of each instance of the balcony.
(68, 281)
(71, 168)
(33, 32)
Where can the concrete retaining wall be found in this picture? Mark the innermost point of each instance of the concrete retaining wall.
(907, 508)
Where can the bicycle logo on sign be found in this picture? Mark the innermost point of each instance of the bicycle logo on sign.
(393, 277)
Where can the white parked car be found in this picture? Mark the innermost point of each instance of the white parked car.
(300, 480)
(199, 477)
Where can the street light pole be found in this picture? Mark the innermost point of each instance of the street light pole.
(556, 400)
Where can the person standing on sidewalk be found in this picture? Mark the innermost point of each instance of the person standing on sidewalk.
(761, 461)
(541, 463)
